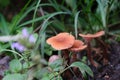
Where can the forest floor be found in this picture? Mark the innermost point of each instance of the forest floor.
(112, 70)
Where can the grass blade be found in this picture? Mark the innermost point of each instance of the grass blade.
(4, 25)
(34, 15)
(76, 23)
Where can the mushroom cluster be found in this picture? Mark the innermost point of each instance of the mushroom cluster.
(65, 41)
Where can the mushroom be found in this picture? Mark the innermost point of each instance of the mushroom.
(61, 41)
(78, 46)
(88, 38)
(53, 58)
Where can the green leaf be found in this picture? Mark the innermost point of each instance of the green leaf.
(34, 15)
(57, 65)
(15, 65)
(76, 23)
(4, 25)
(83, 68)
(59, 25)
(46, 20)
(102, 6)
(31, 8)
(14, 77)
(48, 50)
(45, 78)
(35, 20)
(4, 3)
(43, 43)
(72, 4)
(39, 73)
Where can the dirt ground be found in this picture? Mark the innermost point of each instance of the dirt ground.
(112, 70)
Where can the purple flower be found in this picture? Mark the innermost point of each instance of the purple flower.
(25, 33)
(29, 38)
(32, 39)
(18, 46)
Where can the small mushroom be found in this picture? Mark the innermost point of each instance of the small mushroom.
(53, 58)
(78, 46)
(88, 38)
(61, 41)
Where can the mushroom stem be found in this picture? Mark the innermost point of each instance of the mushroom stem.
(105, 48)
(73, 58)
(89, 55)
(65, 55)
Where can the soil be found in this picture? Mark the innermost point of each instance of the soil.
(112, 70)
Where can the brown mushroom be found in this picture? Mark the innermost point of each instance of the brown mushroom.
(78, 46)
(61, 41)
(88, 38)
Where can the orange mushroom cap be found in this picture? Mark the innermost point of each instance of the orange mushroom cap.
(91, 36)
(61, 41)
(78, 46)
